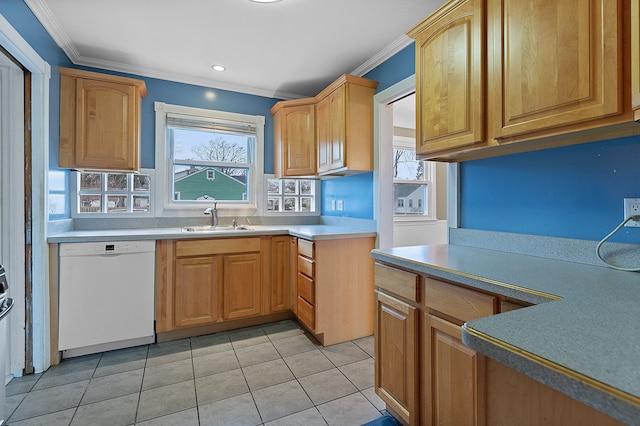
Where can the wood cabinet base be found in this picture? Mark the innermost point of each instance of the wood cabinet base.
(222, 326)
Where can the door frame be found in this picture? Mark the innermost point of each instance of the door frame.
(40, 71)
(383, 157)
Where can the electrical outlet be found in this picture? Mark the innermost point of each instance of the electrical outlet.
(632, 208)
(340, 205)
(333, 204)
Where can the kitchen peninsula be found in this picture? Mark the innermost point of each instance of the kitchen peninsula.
(572, 330)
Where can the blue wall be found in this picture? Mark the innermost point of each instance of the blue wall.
(355, 191)
(571, 192)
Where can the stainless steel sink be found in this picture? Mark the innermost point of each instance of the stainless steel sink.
(209, 228)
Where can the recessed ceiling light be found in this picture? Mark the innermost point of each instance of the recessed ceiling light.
(217, 68)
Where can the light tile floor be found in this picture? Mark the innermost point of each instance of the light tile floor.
(275, 374)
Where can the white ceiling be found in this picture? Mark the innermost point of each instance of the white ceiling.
(288, 49)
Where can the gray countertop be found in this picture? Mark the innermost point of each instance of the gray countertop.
(579, 338)
(310, 232)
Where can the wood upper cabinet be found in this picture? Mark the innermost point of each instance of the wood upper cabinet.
(635, 57)
(345, 126)
(553, 64)
(99, 121)
(450, 75)
(294, 142)
(497, 77)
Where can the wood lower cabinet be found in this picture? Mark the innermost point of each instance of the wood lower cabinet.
(198, 293)
(279, 292)
(454, 376)
(242, 285)
(515, 399)
(202, 282)
(427, 376)
(334, 288)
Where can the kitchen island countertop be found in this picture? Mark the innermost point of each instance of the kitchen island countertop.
(310, 232)
(579, 337)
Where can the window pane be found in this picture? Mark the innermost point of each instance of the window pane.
(409, 198)
(210, 146)
(405, 165)
(91, 181)
(141, 183)
(205, 183)
(117, 182)
(116, 203)
(141, 203)
(90, 203)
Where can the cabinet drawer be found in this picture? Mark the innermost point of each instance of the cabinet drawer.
(398, 282)
(306, 266)
(457, 302)
(306, 313)
(216, 246)
(306, 288)
(306, 248)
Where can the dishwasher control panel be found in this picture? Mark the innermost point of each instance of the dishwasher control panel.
(107, 247)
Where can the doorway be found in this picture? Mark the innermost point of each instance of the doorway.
(411, 210)
(36, 126)
(12, 207)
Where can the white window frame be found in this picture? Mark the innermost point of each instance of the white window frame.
(429, 180)
(165, 207)
(73, 184)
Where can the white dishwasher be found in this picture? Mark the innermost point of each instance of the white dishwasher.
(106, 296)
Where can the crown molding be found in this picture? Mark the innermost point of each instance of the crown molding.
(391, 49)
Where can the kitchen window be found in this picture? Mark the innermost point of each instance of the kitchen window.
(204, 156)
(411, 178)
(300, 196)
(111, 194)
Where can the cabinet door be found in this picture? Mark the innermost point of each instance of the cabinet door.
(322, 114)
(332, 130)
(450, 78)
(242, 285)
(396, 349)
(298, 138)
(197, 289)
(293, 274)
(454, 374)
(553, 64)
(280, 274)
(106, 125)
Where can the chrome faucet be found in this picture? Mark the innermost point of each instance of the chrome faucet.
(213, 211)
